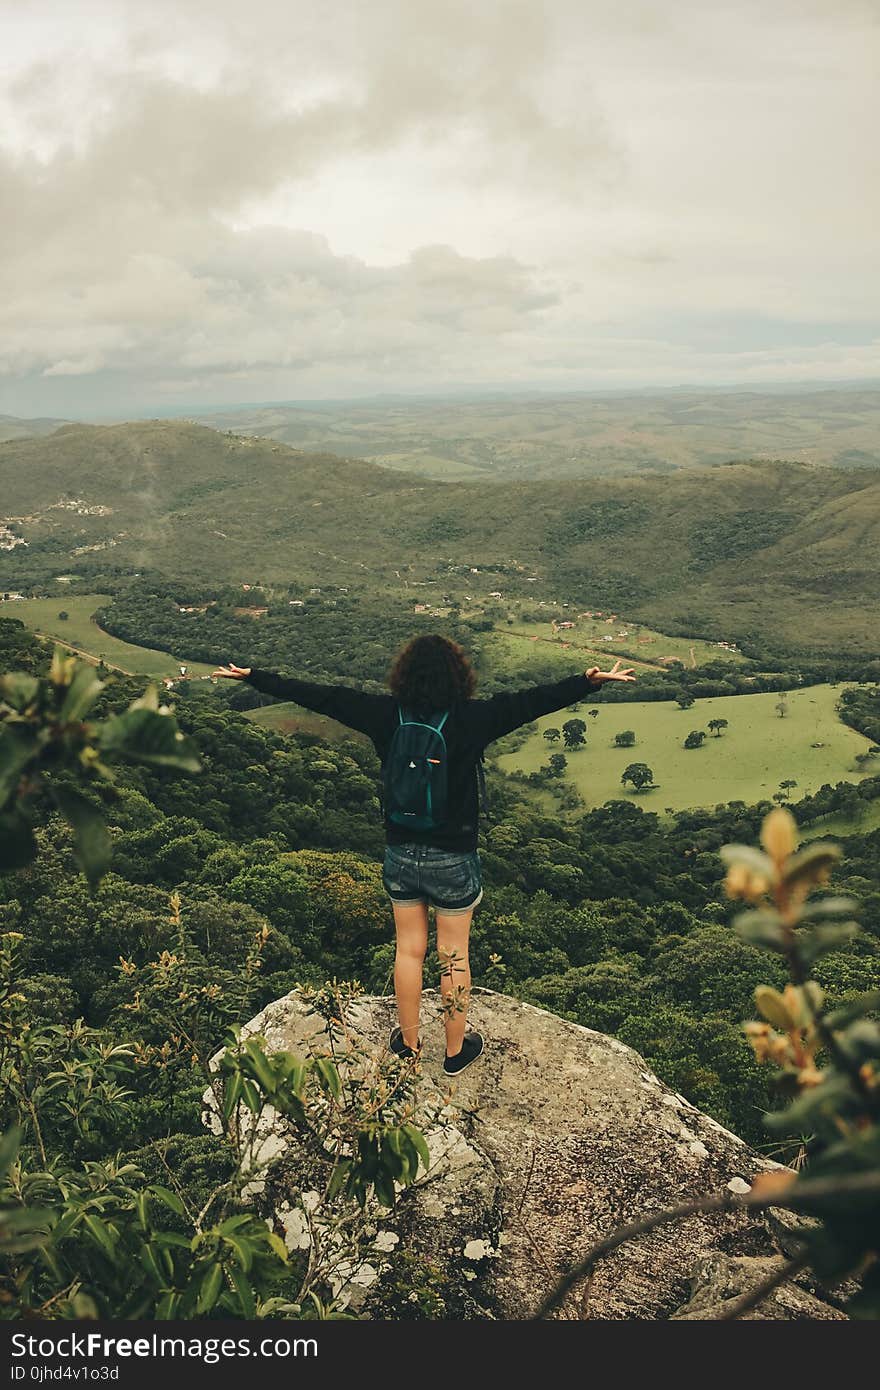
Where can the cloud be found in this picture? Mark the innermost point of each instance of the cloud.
(232, 201)
(108, 271)
(291, 97)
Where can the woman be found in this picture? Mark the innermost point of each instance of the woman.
(431, 863)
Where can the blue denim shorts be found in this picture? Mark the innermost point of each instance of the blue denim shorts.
(445, 879)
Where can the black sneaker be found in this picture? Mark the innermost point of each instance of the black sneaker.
(471, 1049)
(399, 1047)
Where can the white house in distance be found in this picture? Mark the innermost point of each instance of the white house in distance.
(8, 539)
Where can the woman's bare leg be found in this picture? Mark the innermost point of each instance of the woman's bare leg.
(453, 936)
(411, 924)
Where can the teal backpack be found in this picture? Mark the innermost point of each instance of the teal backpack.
(415, 774)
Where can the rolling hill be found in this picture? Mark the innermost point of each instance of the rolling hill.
(786, 552)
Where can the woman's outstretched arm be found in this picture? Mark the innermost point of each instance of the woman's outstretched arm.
(340, 702)
(503, 713)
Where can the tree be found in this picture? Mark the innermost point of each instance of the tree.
(557, 764)
(625, 739)
(684, 699)
(716, 725)
(552, 735)
(787, 785)
(573, 731)
(64, 615)
(594, 714)
(781, 708)
(640, 775)
(695, 739)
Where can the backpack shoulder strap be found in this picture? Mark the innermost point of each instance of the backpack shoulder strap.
(426, 722)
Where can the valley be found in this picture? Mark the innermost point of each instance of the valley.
(777, 557)
(202, 547)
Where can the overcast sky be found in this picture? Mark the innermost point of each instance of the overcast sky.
(240, 200)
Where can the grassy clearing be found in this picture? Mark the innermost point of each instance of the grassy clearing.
(287, 718)
(431, 465)
(834, 827)
(645, 644)
(517, 649)
(754, 754)
(81, 632)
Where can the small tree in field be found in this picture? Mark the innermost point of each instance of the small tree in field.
(640, 775)
(573, 731)
(695, 739)
(781, 708)
(716, 725)
(552, 735)
(684, 699)
(557, 764)
(625, 739)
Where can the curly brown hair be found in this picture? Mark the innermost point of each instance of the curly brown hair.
(432, 672)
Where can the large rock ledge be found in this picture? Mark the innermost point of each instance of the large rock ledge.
(555, 1138)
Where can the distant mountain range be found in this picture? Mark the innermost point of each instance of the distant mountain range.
(567, 435)
(786, 551)
(579, 435)
(17, 427)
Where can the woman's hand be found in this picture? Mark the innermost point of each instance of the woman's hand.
(615, 674)
(232, 673)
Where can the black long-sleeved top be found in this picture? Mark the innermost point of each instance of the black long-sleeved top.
(471, 725)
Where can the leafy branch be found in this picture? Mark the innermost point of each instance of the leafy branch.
(828, 1069)
(50, 744)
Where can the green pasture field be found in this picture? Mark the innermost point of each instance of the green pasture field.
(644, 644)
(82, 633)
(747, 762)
